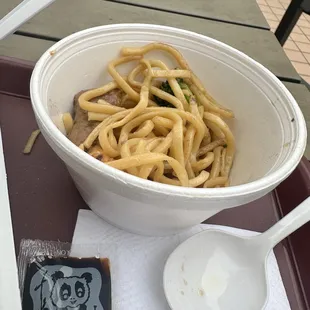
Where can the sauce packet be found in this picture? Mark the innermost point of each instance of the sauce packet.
(50, 279)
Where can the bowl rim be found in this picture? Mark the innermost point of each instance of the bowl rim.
(269, 181)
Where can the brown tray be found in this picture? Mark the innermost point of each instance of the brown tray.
(45, 203)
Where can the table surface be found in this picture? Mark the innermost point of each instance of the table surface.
(238, 11)
(65, 17)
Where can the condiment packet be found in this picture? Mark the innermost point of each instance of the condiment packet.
(51, 279)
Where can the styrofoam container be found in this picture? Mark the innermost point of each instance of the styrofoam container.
(269, 127)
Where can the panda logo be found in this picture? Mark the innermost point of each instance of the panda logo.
(72, 292)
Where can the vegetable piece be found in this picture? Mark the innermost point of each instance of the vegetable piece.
(166, 88)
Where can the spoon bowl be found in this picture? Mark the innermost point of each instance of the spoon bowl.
(216, 270)
(210, 269)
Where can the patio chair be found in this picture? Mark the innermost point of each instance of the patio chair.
(290, 18)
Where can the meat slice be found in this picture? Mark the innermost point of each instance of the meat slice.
(81, 126)
(97, 152)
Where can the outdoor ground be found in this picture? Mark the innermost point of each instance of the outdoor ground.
(297, 47)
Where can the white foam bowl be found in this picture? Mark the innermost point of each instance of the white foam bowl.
(269, 127)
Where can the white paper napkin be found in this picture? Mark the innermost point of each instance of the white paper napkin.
(137, 262)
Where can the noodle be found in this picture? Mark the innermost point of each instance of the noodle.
(215, 182)
(208, 100)
(163, 122)
(143, 130)
(68, 122)
(223, 159)
(172, 132)
(230, 140)
(203, 163)
(171, 73)
(210, 147)
(103, 107)
(178, 101)
(93, 116)
(119, 79)
(194, 182)
(30, 143)
(215, 170)
(142, 159)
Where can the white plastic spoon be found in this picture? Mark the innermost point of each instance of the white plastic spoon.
(22, 13)
(215, 270)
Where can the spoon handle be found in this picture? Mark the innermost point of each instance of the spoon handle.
(287, 225)
(23, 12)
